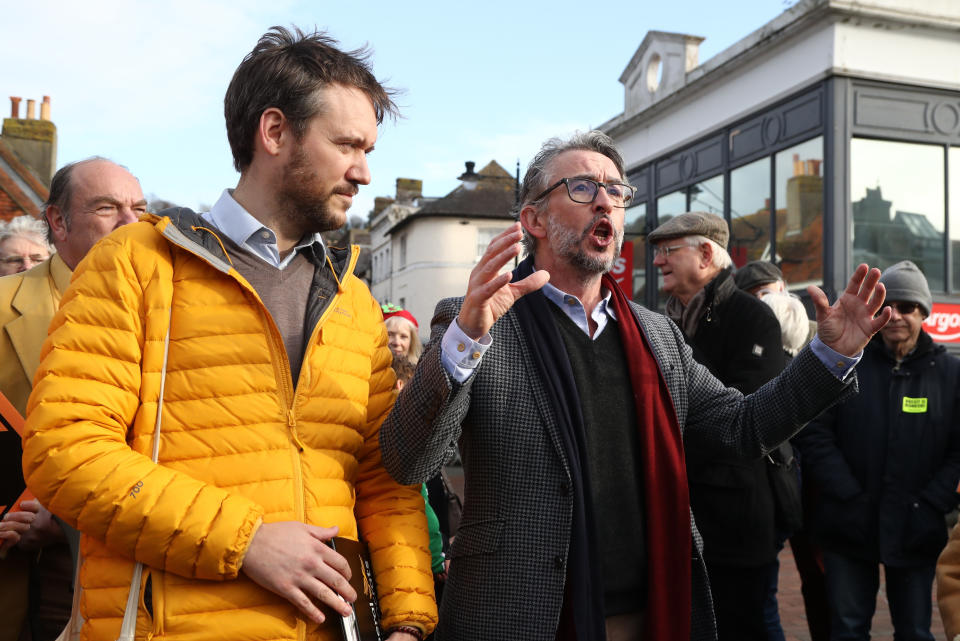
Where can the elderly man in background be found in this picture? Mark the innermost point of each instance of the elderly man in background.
(738, 339)
(886, 464)
(88, 199)
(23, 244)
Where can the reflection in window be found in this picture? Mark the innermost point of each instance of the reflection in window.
(954, 186)
(799, 202)
(633, 228)
(750, 212)
(707, 196)
(898, 211)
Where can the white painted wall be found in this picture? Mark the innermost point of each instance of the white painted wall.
(440, 254)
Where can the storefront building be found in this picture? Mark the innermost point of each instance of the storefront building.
(827, 138)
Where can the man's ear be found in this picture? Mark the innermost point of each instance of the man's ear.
(706, 254)
(534, 221)
(58, 224)
(272, 132)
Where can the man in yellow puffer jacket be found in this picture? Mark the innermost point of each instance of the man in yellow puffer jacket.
(271, 391)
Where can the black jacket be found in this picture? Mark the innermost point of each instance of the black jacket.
(887, 476)
(738, 339)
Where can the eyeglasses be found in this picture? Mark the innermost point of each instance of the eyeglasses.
(584, 190)
(665, 251)
(903, 308)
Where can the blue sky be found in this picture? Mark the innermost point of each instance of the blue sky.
(143, 82)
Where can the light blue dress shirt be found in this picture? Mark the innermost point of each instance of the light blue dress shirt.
(243, 229)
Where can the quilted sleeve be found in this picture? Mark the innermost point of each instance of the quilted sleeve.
(425, 424)
(391, 516)
(96, 388)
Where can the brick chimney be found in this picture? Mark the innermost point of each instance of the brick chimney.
(33, 141)
(409, 189)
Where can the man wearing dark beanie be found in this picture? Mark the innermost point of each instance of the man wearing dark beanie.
(886, 463)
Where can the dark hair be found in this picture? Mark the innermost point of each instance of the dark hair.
(285, 70)
(61, 191)
(536, 179)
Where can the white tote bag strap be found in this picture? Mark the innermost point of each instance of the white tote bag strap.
(129, 627)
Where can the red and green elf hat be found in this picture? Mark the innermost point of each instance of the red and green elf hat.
(389, 309)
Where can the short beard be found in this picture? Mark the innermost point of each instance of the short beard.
(305, 207)
(569, 245)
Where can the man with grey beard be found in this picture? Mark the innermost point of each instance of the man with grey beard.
(571, 405)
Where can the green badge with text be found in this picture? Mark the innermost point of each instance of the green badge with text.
(914, 405)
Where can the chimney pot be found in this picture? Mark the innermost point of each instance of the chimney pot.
(45, 108)
(15, 106)
(31, 109)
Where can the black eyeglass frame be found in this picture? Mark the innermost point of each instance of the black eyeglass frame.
(566, 181)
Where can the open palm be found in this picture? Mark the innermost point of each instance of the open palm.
(848, 324)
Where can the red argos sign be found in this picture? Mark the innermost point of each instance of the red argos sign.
(943, 323)
(622, 271)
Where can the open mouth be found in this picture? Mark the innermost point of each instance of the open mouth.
(602, 232)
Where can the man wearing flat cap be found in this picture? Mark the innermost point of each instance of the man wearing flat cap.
(737, 338)
(886, 464)
(572, 406)
(758, 277)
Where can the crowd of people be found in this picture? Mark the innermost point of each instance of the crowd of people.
(211, 397)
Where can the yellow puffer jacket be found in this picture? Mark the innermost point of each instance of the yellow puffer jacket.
(239, 444)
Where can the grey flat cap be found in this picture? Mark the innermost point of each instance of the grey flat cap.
(693, 223)
(755, 273)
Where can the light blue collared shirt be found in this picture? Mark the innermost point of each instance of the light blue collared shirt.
(460, 354)
(243, 229)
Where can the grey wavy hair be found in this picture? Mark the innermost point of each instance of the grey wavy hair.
(25, 226)
(537, 178)
(721, 259)
(794, 323)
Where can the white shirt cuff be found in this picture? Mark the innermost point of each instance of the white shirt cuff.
(460, 354)
(838, 364)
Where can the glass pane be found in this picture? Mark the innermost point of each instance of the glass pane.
(668, 206)
(633, 228)
(799, 200)
(954, 186)
(750, 212)
(898, 211)
(707, 196)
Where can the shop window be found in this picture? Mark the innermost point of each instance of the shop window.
(750, 212)
(707, 196)
(633, 230)
(668, 206)
(954, 187)
(799, 215)
(897, 190)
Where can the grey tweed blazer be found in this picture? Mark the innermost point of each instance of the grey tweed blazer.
(509, 557)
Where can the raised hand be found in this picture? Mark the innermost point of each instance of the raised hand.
(490, 294)
(292, 559)
(848, 324)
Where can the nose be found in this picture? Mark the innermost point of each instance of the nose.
(29, 262)
(127, 215)
(359, 172)
(603, 202)
(659, 259)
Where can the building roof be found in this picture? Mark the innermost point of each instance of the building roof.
(494, 197)
(21, 192)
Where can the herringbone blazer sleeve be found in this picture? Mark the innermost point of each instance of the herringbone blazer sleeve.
(423, 428)
(723, 420)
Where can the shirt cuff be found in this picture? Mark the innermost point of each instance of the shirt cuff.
(838, 364)
(460, 354)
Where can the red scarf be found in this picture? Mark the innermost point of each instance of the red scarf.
(667, 507)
